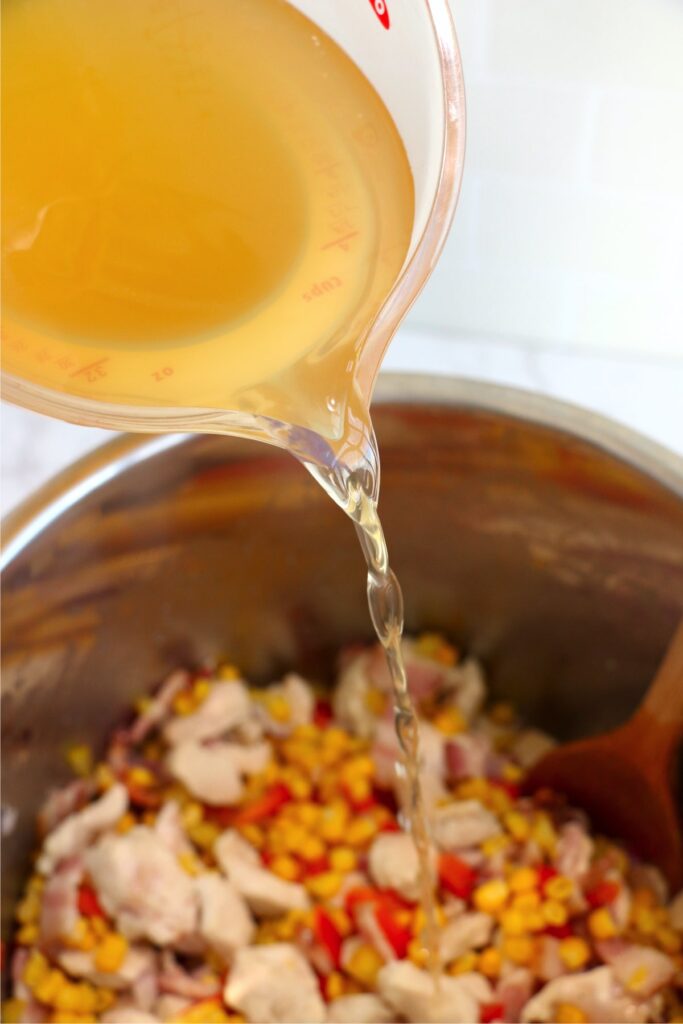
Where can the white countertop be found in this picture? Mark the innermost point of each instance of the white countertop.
(644, 393)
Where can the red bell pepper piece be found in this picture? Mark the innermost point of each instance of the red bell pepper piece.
(391, 825)
(327, 934)
(558, 931)
(371, 894)
(511, 788)
(322, 713)
(456, 876)
(602, 894)
(361, 894)
(264, 806)
(397, 935)
(88, 903)
(315, 866)
(490, 1012)
(545, 873)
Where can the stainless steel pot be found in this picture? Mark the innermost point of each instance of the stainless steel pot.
(546, 540)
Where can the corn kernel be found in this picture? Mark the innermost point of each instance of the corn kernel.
(526, 901)
(27, 935)
(495, 845)
(534, 920)
(334, 985)
(361, 831)
(637, 979)
(491, 896)
(201, 690)
(361, 766)
(48, 987)
(449, 721)
(513, 922)
(334, 822)
(35, 970)
(523, 880)
(99, 927)
(190, 863)
(207, 1011)
(325, 885)
(254, 835)
(192, 814)
(574, 952)
(669, 940)
(82, 936)
(554, 912)
(375, 701)
(125, 823)
(35, 884)
(512, 772)
(417, 953)
(79, 758)
(502, 713)
(299, 786)
(140, 776)
(364, 964)
(601, 924)
(13, 1011)
(28, 911)
(490, 962)
(559, 888)
(342, 920)
(204, 835)
(519, 949)
(286, 867)
(69, 1017)
(543, 833)
(277, 707)
(111, 953)
(643, 897)
(417, 920)
(464, 964)
(567, 1013)
(312, 848)
(307, 814)
(104, 777)
(644, 920)
(358, 789)
(183, 703)
(517, 825)
(342, 858)
(228, 673)
(336, 737)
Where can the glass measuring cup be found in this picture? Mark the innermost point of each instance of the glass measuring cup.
(408, 52)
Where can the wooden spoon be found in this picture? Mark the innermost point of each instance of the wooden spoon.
(625, 779)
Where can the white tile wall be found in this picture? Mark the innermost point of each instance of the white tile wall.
(570, 224)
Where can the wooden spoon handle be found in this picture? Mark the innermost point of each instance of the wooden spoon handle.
(664, 699)
(652, 735)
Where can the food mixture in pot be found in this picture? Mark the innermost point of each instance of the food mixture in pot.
(238, 856)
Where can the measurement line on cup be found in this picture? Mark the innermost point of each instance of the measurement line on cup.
(341, 242)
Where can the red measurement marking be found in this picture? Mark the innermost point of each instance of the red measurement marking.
(341, 242)
(320, 288)
(380, 9)
(93, 371)
(159, 375)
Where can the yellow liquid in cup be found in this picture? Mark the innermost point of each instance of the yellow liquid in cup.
(205, 204)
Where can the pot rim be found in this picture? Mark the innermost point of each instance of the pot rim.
(62, 491)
